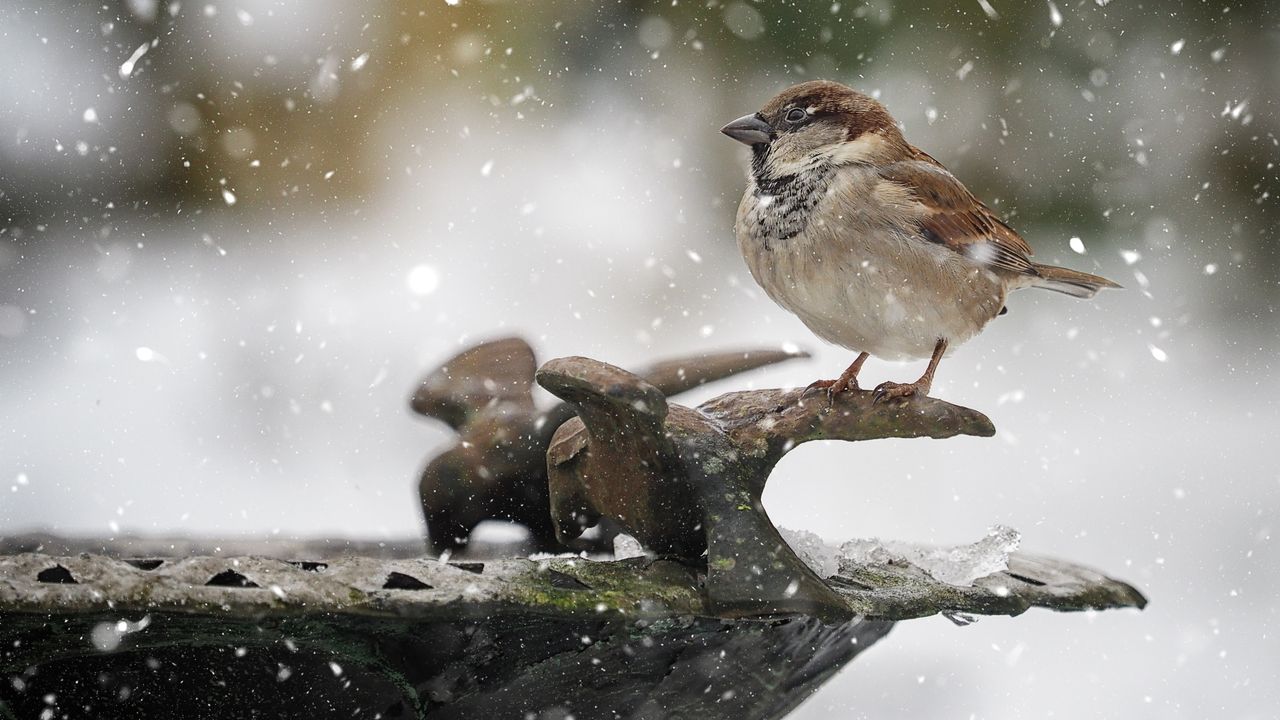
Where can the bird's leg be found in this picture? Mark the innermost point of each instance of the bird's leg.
(890, 390)
(848, 379)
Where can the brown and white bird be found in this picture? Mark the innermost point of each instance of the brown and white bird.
(869, 240)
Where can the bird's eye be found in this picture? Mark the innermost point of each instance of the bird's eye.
(795, 116)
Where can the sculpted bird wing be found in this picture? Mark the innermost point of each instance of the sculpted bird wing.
(495, 371)
(948, 214)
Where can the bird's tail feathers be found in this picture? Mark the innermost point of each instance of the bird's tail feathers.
(1072, 282)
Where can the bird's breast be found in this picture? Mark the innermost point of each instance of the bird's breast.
(852, 267)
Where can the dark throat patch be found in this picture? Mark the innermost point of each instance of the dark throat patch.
(794, 196)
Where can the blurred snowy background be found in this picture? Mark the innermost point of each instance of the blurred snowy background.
(234, 234)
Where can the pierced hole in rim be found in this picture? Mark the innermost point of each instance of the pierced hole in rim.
(841, 581)
(231, 578)
(400, 581)
(309, 565)
(475, 567)
(145, 563)
(1027, 580)
(57, 575)
(565, 581)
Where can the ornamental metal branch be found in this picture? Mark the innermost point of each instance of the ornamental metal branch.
(496, 469)
(688, 481)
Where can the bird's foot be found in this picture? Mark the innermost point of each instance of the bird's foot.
(887, 390)
(819, 385)
(847, 382)
(833, 387)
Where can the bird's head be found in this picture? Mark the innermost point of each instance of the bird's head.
(815, 122)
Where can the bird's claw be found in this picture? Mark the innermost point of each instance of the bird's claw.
(887, 391)
(827, 386)
(819, 385)
(832, 387)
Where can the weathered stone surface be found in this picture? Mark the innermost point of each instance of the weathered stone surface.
(496, 470)
(269, 544)
(900, 590)
(634, 589)
(414, 637)
(505, 638)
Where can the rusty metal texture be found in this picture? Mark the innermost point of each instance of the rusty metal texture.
(688, 482)
(496, 467)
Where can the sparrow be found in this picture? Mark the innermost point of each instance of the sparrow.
(870, 241)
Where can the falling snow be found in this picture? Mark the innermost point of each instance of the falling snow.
(1055, 16)
(236, 235)
(423, 280)
(126, 68)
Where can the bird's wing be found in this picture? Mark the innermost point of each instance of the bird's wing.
(948, 214)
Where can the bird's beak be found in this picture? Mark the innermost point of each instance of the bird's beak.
(749, 130)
